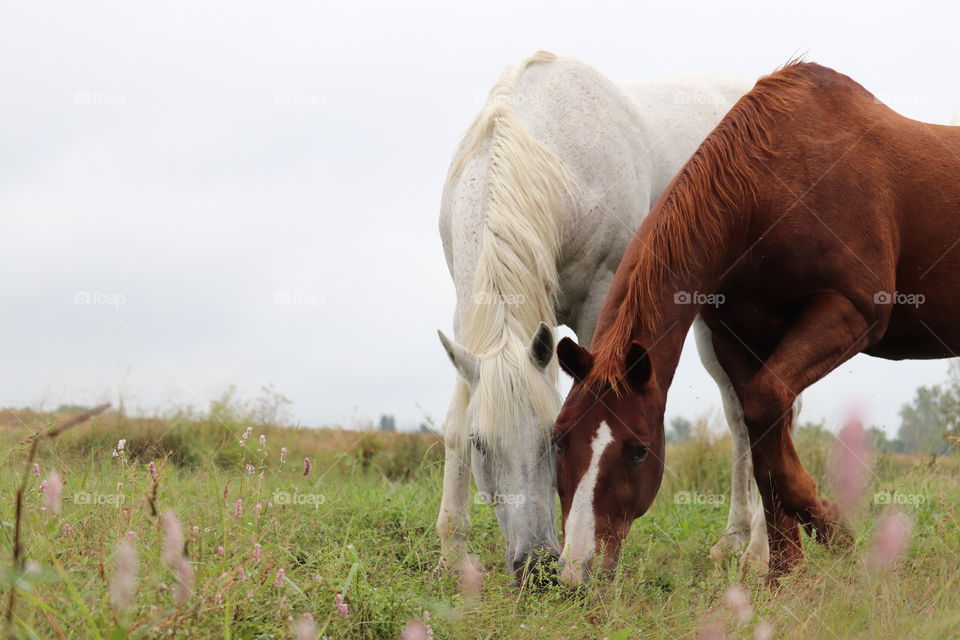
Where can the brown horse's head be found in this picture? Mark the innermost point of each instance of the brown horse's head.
(609, 446)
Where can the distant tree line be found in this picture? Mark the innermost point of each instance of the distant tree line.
(389, 423)
(929, 424)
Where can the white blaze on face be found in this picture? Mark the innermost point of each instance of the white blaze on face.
(579, 542)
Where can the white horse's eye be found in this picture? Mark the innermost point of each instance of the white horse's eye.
(478, 444)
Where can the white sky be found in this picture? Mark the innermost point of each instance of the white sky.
(197, 158)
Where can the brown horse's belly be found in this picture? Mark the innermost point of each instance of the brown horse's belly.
(912, 335)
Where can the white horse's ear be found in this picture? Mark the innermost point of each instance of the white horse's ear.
(463, 360)
(541, 347)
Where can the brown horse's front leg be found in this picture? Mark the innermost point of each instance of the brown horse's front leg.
(789, 493)
(828, 332)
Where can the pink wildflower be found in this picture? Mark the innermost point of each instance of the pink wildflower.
(426, 621)
(739, 602)
(307, 465)
(713, 630)
(250, 468)
(341, 606)
(184, 581)
(153, 471)
(172, 537)
(415, 630)
(119, 486)
(283, 455)
(763, 631)
(220, 551)
(67, 529)
(123, 587)
(305, 628)
(121, 444)
(851, 465)
(195, 530)
(257, 552)
(242, 575)
(263, 441)
(238, 508)
(54, 490)
(36, 469)
(471, 576)
(891, 536)
(281, 573)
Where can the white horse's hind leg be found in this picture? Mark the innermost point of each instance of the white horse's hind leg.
(453, 522)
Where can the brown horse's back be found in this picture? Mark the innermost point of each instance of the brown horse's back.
(860, 200)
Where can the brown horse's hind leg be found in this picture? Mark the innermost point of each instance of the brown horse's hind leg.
(828, 332)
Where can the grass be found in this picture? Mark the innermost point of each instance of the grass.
(365, 528)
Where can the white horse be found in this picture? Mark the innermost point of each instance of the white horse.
(543, 195)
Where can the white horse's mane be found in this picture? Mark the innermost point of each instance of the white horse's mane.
(515, 283)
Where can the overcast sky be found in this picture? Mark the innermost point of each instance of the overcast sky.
(198, 194)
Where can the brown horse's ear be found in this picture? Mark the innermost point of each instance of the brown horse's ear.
(637, 370)
(574, 359)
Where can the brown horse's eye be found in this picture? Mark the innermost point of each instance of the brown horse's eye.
(638, 453)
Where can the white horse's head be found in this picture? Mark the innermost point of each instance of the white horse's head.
(512, 405)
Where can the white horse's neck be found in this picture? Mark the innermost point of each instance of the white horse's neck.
(676, 115)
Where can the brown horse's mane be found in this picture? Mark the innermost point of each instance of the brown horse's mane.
(694, 215)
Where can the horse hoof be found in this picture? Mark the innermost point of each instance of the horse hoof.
(727, 546)
(755, 561)
(832, 530)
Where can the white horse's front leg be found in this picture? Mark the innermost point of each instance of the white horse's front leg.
(744, 498)
(453, 522)
(740, 519)
(757, 555)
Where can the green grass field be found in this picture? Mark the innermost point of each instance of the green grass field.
(362, 524)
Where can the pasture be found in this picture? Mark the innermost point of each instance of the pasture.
(361, 523)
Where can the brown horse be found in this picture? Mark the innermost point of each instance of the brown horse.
(814, 223)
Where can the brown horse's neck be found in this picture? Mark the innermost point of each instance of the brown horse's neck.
(693, 234)
(654, 303)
